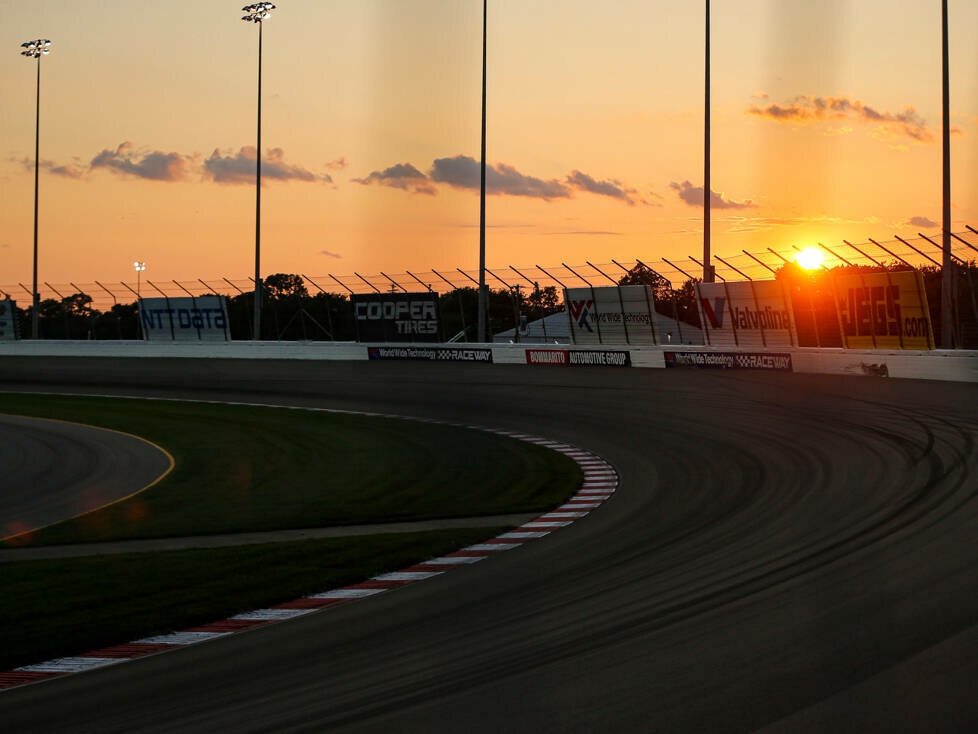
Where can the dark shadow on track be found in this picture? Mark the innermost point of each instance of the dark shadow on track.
(777, 541)
(52, 471)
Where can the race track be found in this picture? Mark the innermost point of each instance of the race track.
(795, 552)
(50, 470)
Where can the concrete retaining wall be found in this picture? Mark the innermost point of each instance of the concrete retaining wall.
(958, 366)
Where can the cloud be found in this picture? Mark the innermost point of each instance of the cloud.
(463, 172)
(153, 166)
(759, 95)
(402, 176)
(921, 222)
(327, 253)
(807, 109)
(599, 232)
(67, 170)
(338, 164)
(693, 195)
(234, 168)
(611, 188)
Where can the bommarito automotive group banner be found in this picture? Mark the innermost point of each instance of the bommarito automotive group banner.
(201, 318)
(746, 314)
(396, 317)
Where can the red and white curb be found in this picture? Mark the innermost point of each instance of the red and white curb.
(600, 482)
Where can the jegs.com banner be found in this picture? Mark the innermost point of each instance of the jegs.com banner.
(883, 310)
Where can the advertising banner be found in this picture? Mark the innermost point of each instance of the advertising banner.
(813, 309)
(396, 317)
(745, 314)
(201, 318)
(883, 310)
(611, 315)
(578, 358)
(9, 327)
(730, 360)
(431, 354)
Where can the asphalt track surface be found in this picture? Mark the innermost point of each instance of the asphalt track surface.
(785, 552)
(50, 470)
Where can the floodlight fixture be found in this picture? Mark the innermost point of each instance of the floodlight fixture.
(139, 267)
(257, 12)
(35, 49)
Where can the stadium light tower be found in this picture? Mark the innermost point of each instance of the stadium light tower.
(482, 192)
(947, 265)
(258, 13)
(708, 273)
(35, 50)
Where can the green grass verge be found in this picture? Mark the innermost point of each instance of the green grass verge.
(54, 608)
(244, 468)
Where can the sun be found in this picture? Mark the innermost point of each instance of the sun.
(810, 258)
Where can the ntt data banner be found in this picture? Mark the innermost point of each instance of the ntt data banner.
(203, 318)
(729, 360)
(578, 358)
(611, 315)
(396, 317)
(751, 314)
(9, 328)
(883, 310)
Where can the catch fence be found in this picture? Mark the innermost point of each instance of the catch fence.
(524, 285)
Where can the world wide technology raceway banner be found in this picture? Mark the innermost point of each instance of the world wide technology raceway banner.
(730, 360)
(431, 354)
(611, 315)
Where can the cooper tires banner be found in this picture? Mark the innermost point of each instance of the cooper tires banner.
(396, 317)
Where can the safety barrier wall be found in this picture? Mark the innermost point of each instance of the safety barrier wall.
(957, 365)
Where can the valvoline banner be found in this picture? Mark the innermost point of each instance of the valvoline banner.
(187, 319)
(746, 314)
(883, 310)
(611, 315)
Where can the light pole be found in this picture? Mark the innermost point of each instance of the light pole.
(482, 191)
(35, 50)
(258, 13)
(139, 268)
(708, 274)
(947, 266)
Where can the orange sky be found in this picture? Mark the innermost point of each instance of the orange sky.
(826, 125)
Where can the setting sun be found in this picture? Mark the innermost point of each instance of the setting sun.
(810, 258)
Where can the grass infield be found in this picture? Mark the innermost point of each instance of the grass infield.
(242, 468)
(57, 608)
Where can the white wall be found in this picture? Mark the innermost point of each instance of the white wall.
(958, 366)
